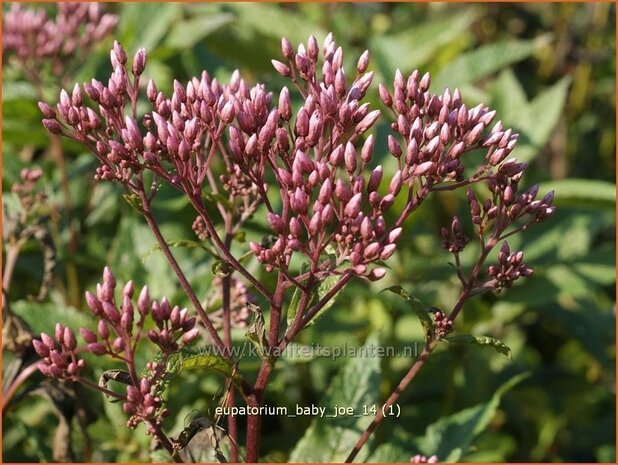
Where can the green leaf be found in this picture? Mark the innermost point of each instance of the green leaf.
(415, 46)
(545, 111)
(482, 62)
(220, 269)
(356, 385)
(186, 243)
(275, 22)
(497, 344)
(450, 437)
(42, 317)
(586, 193)
(323, 288)
(145, 24)
(185, 34)
(135, 201)
(389, 453)
(417, 306)
(256, 332)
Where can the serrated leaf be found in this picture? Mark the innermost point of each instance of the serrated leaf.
(497, 344)
(330, 440)
(417, 306)
(220, 269)
(450, 437)
(482, 62)
(135, 201)
(186, 243)
(323, 289)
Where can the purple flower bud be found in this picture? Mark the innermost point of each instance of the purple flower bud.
(367, 121)
(336, 157)
(97, 348)
(46, 110)
(350, 157)
(102, 329)
(412, 152)
(326, 192)
(423, 168)
(327, 214)
(40, 348)
(393, 146)
(353, 207)
(286, 48)
(302, 123)
(282, 68)
(139, 62)
(363, 62)
(285, 107)
(52, 126)
(88, 336)
(376, 274)
(366, 228)
(387, 202)
(395, 185)
(394, 235)
(385, 96)
(475, 134)
(374, 179)
(69, 339)
(387, 251)
(110, 312)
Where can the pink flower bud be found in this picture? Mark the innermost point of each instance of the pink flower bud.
(88, 336)
(385, 96)
(69, 339)
(353, 207)
(350, 157)
(40, 348)
(367, 122)
(97, 348)
(387, 251)
(395, 185)
(423, 168)
(52, 126)
(282, 68)
(376, 274)
(363, 62)
(46, 110)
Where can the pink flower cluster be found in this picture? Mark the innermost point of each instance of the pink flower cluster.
(35, 39)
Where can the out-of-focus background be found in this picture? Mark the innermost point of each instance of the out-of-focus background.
(549, 71)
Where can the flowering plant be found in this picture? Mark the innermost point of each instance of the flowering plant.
(235, 151)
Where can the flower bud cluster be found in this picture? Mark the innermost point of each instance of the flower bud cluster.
(442, 325)
(25, 190)
(58, 354)
(327, 200)
(37, 40)
(116, 332)
(438, 129)
(239, 298)
(509, 269)
(454, 240)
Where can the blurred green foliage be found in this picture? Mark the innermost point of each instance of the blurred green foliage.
(549, 70)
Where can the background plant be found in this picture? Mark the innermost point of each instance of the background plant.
(512, 319)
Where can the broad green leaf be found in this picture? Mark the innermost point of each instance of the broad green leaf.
(497, 344)
(415, 46)
(323, 289)
(187, 33)
(450, 437)
(418, 308)
(42, 317)
(357, 384)
(145, 24)
(389, 453)
(275, 22)
(545, 111)
(482, 62)
(586, 193)
(509, 98)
